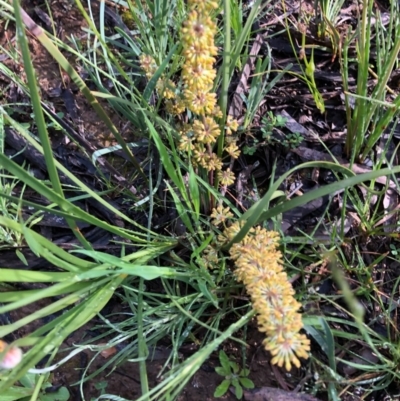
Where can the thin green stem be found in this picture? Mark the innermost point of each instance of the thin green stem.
(225, 75)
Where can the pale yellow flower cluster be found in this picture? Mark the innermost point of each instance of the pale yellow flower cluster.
(258, 263)
(196, 92)
(198, 72)
(165, 87)
(198, 75)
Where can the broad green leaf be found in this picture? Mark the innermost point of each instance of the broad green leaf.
(147, 272)
(62, 394)
(238, 389)
(27, 276)
(222, 388)
(29, 380)
(258, 213)
(21, 257)
(234, 366)
(224, 360)
(222, 372)
(15, 393)
(246, 382)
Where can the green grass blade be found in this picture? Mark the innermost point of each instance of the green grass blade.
(258, 213)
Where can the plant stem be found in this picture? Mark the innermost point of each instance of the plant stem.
(225, 74)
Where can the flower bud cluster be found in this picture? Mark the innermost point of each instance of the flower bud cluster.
(198, 75)
(196, 93)
(258, 263)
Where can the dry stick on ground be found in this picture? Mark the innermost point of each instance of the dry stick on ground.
(236, 106)
(274, 394)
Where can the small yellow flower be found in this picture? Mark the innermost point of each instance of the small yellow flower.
(210, 257)
(274, 291)
(148, 64)
(186, 144)
(199, 76)
(206, 130)
(226, 177)
(217, 112)
(232, 124)
(220, 215)
(213, 163)
(199, 53)
(284, 350)
(200, 155)
(198, 28)
(166, 88)
(175, 106)
(233, 150)
(200, 102)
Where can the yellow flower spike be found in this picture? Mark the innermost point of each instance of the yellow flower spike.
(258, 265)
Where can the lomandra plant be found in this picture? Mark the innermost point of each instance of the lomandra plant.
(84, 280)
(271, 293)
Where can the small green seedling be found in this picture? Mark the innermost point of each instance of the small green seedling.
(394, 250)
(292, 141)
(233, 377)
(269, 123)
(101, 386)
